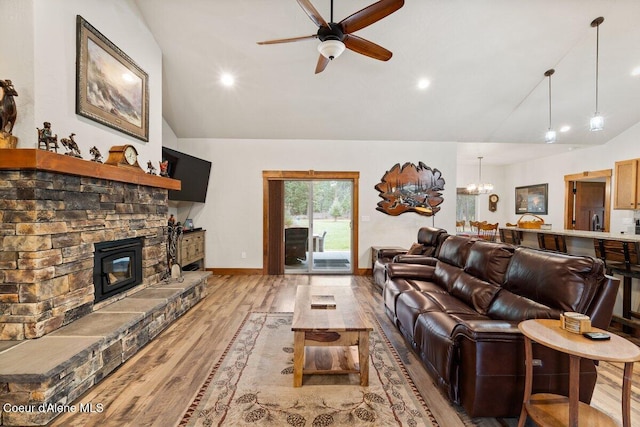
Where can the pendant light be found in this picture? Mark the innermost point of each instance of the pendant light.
(597, 121)
(480, 187)
(550, 136)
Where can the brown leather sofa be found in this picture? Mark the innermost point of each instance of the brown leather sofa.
(461, 317)
(429, 240)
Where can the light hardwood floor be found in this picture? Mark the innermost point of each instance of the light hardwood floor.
(155, 386)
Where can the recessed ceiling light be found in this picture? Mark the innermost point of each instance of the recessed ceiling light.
(227, 80)
(635, 72)
(565, 128)
(423, 84)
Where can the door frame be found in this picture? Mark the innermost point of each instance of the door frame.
(569, 197)
(310, 175)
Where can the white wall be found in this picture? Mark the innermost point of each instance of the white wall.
(233, 214)
(17, 53)
(38, 51)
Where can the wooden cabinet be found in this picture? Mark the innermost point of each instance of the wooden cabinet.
(627, 186)
(191, 249)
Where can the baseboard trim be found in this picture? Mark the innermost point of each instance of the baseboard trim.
(260, 272)
(236, 271)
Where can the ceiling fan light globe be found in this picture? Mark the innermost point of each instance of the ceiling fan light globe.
(331, 49)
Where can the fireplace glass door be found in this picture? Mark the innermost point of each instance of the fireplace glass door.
(117, 267)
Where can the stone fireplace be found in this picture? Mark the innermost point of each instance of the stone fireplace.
(82, 257)
(55, 211)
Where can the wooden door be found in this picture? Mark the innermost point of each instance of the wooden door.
(590, 203)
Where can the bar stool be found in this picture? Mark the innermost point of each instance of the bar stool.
(621, 257)
(552, 242)
(511, 236)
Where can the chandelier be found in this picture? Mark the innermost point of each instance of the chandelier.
(479, 187)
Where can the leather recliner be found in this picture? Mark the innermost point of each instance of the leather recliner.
(461, 314)
(429, 240)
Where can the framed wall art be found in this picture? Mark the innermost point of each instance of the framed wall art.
(111, 88)
(532, 199)
(411, 188)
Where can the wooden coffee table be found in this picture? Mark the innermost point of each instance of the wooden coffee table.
(315, 329)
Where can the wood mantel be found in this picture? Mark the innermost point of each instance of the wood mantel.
(43, 160)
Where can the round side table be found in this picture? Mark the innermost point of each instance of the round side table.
(547, 409)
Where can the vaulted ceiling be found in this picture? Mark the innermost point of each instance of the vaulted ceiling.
(485, 60)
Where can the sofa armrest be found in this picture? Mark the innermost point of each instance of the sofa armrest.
(415, 259)
(390, 252)
(410, 271)
(481, 329)
(601, 309)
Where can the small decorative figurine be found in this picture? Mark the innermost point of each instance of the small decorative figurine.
(95, 154)
(71, 146)
(150, 168)
(8, 114)
(46, 140)
(163, 168)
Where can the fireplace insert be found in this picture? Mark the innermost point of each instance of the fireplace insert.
(117, 267)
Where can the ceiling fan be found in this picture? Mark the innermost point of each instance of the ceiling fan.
(335, 37)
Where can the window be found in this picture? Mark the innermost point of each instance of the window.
(465, 207)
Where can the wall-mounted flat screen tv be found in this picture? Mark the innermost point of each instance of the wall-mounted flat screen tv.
(192, 171)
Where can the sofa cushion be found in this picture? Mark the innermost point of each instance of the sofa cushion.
(416, 249)
(454, 250)
(452, 305)
(445, 275)
(509, 306)
(474, 292)
(428, 236)
(559, 281)
(489, 261)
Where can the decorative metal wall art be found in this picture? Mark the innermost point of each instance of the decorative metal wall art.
(411, 188)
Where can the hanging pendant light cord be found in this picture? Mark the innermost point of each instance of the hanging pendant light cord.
(549, 101)
(597, 61)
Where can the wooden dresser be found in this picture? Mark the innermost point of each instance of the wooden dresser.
(191, 250)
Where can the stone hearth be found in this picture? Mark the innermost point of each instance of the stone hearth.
(53, 209)
(41, 378)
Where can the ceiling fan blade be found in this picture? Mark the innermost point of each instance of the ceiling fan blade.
(369, 15)
(367, 48)
(322, 64)
(312, 13)
(289, 40)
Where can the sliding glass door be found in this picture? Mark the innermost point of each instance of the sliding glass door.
(317, 226)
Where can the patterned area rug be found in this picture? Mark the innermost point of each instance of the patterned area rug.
(252, 385)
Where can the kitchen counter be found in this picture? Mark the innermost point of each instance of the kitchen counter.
(583, 234)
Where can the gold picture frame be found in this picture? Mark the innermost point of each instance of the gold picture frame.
(111, 88)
